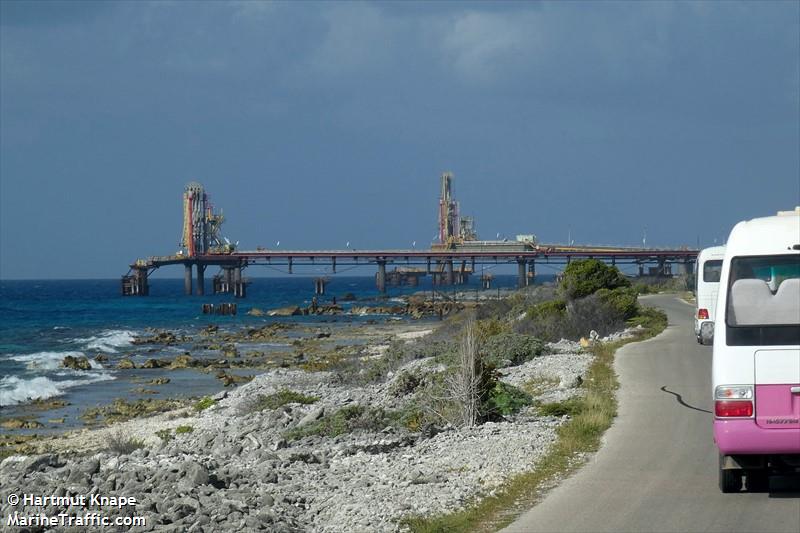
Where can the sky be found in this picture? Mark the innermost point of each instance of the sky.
(318, 124)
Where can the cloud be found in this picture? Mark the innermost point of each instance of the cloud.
(482, 46)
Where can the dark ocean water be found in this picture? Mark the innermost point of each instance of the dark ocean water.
(44, 321)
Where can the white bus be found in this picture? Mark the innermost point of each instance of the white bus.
(756, 361)
(707, 273)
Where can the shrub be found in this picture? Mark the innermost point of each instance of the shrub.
(572, 407)
(505, 400)
(622, 300)
(281, 398)
(345, 420)
(165, 434)
(405, 383)
(183, 429)
(587, 276)
(513, 347)
(490, 327)
(546, 310)
(204, 403)
(121, 444)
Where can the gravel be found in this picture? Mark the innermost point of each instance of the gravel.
(237, 471)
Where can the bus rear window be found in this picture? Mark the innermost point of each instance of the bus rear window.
(712, 270)
(764, 300)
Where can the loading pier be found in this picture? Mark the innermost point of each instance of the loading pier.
(449, 262)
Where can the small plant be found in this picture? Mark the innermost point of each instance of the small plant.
(346, 420)
(204, 403)
(571, 407)
(281, 398)
(180, 430)
(505, 400)
(165, 435)
(512, 347)
(121, 444)
(539, 385)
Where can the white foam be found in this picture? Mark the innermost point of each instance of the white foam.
(108, 341)
(48, 360)
(15, 390)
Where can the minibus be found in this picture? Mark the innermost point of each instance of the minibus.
(708, 270)
(756, 353)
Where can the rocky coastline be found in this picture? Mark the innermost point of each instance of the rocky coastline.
(316, 445)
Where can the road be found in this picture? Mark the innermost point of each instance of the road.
(657, 468)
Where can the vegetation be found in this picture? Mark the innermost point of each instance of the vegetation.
(121, 444)
(165, 434)
(589, 414)
(346, 420)
(183, 429)
(587, 276)
(514, 348)
(281, 398)
(204, 403)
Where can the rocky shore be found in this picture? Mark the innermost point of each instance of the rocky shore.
(254, 458)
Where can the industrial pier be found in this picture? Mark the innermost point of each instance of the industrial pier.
(449, 262)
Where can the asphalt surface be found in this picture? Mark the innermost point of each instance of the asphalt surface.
(657, 469)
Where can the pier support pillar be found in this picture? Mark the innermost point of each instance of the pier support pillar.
(239, 285)
(201, 281)
(641, 270)
(187, 279)
(450, 278)
(319, 286)
(522, 279)
(380, 279)
(531, 272)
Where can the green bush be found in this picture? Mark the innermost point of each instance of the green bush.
(346, 420)
(547, 310)
(490, 327)
(204, 403)
(183, 429)
(505, 400)
(281, 398)
(587, 276)
(513, 347)
(622, 300)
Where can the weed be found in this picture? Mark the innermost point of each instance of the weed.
(204, 403)
(183, 429)
(121, 444)
(281, 398)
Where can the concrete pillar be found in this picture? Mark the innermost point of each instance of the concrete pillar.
(187, 279)
(641, 270)
(531, 271)
(201, 279)
(450, 278)
(380, 280)
(522, 279)
(237, 282)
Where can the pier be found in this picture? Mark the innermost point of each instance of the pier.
(449, 262)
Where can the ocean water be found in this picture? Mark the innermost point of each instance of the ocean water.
(44, 321)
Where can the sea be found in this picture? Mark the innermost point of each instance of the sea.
(43, 321)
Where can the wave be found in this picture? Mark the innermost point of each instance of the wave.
(49, 360)
(15, 390)
(108, 341)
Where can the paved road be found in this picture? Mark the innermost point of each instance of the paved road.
(657, 470)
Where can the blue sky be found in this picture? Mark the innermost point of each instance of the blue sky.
(321, 123)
